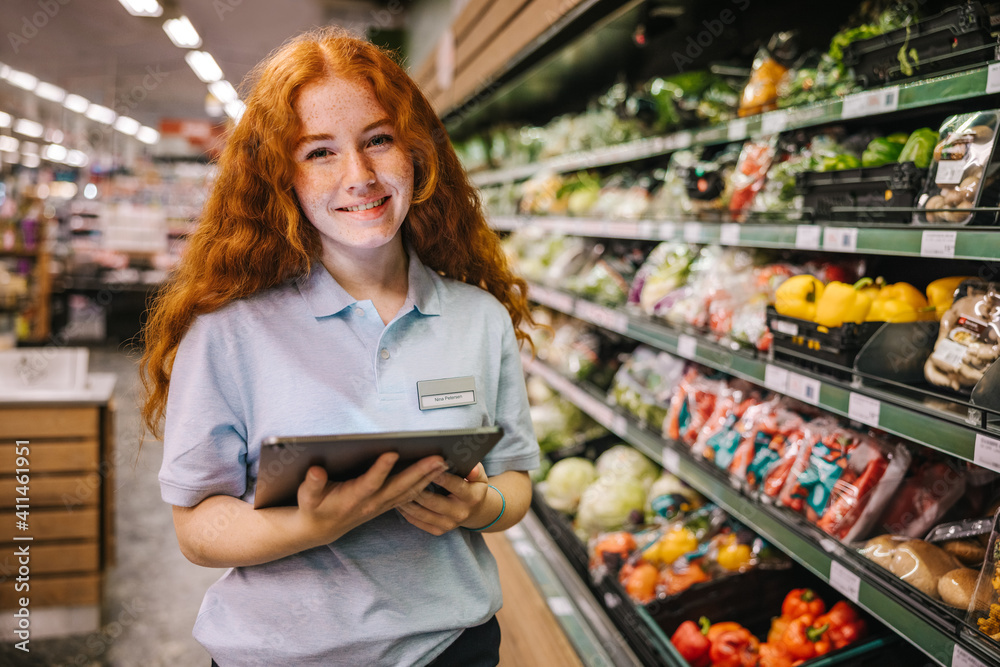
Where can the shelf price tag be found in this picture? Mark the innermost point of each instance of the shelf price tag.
(987, 452)
(845, 581)
(647, 230)
(993, 78)
(667, 231)
(807, 237)
(560, 606)
(774, 122)
(844, 239)
(729, 234)
(864, 409)
(687, 346)
(870, 103)
(804, 388)
(692, 232)
(623, 230)
(938, 244)
(671, 460)
(737, 129)
(962, 658)
(776, 378)
(601, 316)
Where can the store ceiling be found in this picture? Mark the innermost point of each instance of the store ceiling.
(96, 49)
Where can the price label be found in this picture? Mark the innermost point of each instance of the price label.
(774, 122)
(667, 231)
(647, 230)
(844, 239)
(993, 78)
(729, 234)
(622, 230)
(938, 244)
(949, 172)
(787, 328)
(962, 658)
(560, 606)
(864, 409)
(845, 581)
(671, 460)
(807, 237)
(776, 378)
(619, 424)
(589, 228)
(803, 388)
(737, 129)
(870, 103)
(687, 346)
(987, 452)
(692, 232)
(677, 141)
(601, 316)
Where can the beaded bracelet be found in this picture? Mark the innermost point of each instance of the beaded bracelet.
(503, 506)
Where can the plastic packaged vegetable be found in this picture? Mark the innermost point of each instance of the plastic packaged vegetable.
(968, 341)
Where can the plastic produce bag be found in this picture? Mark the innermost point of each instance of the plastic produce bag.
(968, 341)
(665, 269)
(929, 490)
(644, 383)
(769, 66)
(750, 174)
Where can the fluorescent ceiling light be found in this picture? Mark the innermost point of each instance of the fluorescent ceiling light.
(127, 125)
(77, 158)
(182, 33)
(54, 152)
(4, 70)
(5, 119)
(204, 65)
(235, 110)
(147, 135)
(31, 161)
(8, 144)
(100, 114)
(54, 136)
(28, 128)
(223, 91)
(76, 103)
(142, 7)
(22, 79)
(49, 92)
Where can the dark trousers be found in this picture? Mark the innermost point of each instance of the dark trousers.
(475, 647)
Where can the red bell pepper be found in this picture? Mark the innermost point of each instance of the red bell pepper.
(804, 641)
(774, 655)
(802, 601)
(734, 648)
(846, 626)
(691, 642)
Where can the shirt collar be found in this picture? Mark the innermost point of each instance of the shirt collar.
(324, 296)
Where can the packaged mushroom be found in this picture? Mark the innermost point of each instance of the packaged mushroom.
(968, 340)
(962, 176)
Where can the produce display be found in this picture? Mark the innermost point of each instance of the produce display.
(968, 341)
(984, 611)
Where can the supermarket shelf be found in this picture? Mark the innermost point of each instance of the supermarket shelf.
(583, 620)
(961, 431)
(902, 97)
(940, 638)
(969, 243)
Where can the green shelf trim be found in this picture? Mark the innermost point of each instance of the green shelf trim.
(914, 95)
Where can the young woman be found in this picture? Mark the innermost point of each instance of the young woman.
(341, 258)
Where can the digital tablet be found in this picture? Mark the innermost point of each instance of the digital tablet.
(285, 460)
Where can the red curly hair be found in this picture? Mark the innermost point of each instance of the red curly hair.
(252, 234)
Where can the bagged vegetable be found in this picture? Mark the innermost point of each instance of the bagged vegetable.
(883, 150)
(919, 147)
(644, 383)
(665, 269)
(750, 175)
(968, 341)
(769, 66)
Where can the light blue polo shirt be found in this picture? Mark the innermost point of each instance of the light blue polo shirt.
(308, 359)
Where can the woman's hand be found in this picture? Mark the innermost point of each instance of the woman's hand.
(328, 509)
(467, 504)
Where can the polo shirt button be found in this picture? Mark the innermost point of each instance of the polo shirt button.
(360, 312)
(385, 353)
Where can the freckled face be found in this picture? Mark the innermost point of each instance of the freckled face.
(353, 178)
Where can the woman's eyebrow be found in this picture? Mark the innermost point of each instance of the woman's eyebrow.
(329, 137)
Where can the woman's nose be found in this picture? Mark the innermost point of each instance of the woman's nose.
(360, 174)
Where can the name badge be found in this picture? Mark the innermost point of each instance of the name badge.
(447, 393)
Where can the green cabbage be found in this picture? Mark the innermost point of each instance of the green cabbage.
(610, 503)
(624, 461)
(566, 482)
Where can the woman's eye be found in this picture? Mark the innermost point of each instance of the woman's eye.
(317, 153)
(380, 140)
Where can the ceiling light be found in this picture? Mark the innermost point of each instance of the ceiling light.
(223, 91)
(54, 136)
(30, 161)
(127, 125)
(22, 79)
(29, 148)
(49, 92)
(182, 33)
(90, 191)
(142, 7)
(100, 114)
(76, 103)
(28, 128)
(147, 135)
(4, 70)
(77, 158)
(204, 65)
(54, 152)
(5, 119)
(8, 144)
(235, 110)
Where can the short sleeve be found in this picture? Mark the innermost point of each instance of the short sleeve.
(204, 443)
(518, 449)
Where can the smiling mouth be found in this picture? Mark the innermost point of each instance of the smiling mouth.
(365, 207)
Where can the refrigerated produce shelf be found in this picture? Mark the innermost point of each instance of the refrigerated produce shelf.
(940, 637)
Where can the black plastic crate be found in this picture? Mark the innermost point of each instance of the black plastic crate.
(959, 37)
(801, 340)
(895, 185)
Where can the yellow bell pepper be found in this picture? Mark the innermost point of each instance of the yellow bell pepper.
(733, 556)
(672, 545)
(797, 297)
(898, 310)
(903, 292)
(941, 293)
(843, 302)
